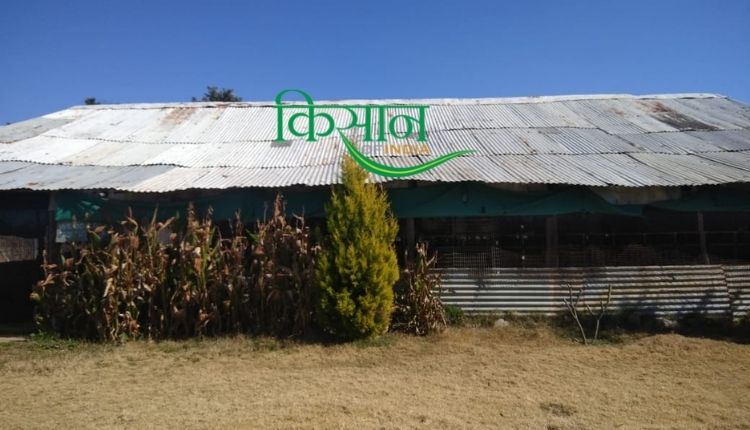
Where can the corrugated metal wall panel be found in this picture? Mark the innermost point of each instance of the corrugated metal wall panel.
(738, 282)
(671, 290)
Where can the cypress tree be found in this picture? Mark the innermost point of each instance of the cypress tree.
(357, 269)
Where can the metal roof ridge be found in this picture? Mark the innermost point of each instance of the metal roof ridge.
(432, 101)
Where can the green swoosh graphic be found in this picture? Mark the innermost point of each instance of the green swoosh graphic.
(396, 172)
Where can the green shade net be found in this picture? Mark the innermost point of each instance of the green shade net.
(443, 200)
(472, 199)
(709, 200)
(440, 200)
(252, 203)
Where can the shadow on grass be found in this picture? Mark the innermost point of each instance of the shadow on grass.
(714, 328)
(17, 329)
(245, 342)
(615, 328)
(623, 326)
(618, 327)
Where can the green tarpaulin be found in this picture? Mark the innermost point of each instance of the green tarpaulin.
(443, 200)
(713, 200)
(469, 199)
(252, 204)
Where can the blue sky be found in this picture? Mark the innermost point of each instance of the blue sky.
(53, 54)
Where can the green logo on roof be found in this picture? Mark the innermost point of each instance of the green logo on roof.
(372, 123)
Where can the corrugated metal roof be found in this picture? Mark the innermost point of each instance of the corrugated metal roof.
(632, 141)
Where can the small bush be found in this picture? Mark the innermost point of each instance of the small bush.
(418, 308)
(357, 267)
(454, 315)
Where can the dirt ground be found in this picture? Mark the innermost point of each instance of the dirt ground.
(466, 378)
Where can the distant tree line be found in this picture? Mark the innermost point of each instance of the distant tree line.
(212, 94)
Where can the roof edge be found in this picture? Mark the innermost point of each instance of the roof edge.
(430, 101)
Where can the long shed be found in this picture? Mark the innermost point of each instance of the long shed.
(648, 194)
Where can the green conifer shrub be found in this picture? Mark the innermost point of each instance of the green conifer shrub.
(357, 267)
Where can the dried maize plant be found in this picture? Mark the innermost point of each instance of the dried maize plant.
(143, 280)
(234, 278)
(57, 297)
(130, 269)
(193, 275)
(86, 296)
(280, 301)
(76, 297)
(156, 242)
(418, 308)
(128, 290)
(133, 266)
(109, 269)
(200, 278)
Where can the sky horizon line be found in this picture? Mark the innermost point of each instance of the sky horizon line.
(56, 54)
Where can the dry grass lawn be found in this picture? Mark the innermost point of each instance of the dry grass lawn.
(466, 378)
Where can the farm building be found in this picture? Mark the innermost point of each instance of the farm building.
(646, 194)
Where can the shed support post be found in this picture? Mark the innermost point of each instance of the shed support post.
(50, 238)
(410, 236)
(552, 257)
(702, 238)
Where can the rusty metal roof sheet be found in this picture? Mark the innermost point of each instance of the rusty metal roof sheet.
(602, 140)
